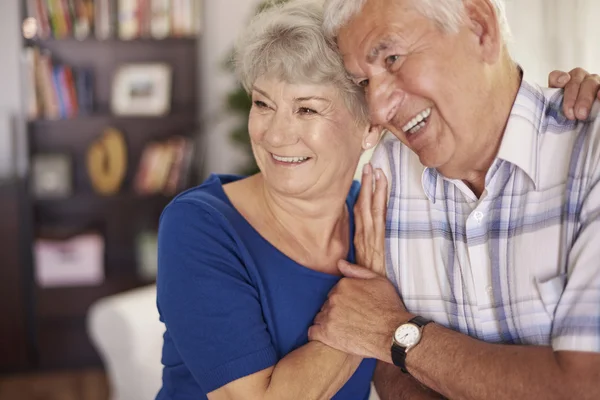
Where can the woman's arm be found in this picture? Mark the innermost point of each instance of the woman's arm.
(370, 216)
(210, 303)
(314, 371)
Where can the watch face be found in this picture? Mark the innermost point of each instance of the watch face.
(407, 335)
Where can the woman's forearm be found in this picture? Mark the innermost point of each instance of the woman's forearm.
(313, 371)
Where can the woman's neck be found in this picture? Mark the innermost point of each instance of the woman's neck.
(313, 232)
(315, 222)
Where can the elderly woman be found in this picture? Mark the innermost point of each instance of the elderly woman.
(245, 264)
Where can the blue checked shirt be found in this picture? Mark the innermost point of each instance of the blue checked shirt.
(521, 264)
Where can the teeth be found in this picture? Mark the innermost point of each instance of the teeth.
(417, 128)
(417, 123)
(290, 159)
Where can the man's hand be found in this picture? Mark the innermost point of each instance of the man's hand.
(369, 216)
(581, 89)
(360, 314)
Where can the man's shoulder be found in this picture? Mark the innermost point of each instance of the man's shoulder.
(392, 151)
(401, 166)
(566, 147)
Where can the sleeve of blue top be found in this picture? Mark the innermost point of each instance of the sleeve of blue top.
(207, 300)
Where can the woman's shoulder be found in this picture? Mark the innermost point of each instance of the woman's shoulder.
(208, 197)
(205, 207)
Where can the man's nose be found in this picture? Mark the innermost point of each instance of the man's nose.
(384, 97)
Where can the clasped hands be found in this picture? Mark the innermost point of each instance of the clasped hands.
(364, 308)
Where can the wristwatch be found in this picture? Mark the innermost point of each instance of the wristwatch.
(405, 338)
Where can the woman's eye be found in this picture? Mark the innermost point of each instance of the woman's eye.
(390, 60)
(306, 110)
(260, 104)
(364, 83)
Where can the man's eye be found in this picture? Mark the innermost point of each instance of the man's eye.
(390, 60)
(306, 110)
(260, 104)
(364, 83)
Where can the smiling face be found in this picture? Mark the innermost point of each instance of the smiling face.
(426, 86)
(304, 138)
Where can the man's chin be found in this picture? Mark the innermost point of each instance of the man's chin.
(430, 160)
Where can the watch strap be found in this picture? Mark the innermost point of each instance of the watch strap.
(399, 357)
(420, 321)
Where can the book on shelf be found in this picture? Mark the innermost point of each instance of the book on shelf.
(164, 167)
(56, 91)
(122, 19)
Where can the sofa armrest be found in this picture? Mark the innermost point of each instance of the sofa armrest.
(127, 322)
(126, 330)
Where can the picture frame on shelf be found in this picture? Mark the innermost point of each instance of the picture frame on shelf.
(142, 90)
(51, 176)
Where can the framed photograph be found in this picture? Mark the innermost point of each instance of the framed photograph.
(142, 90)
(51, 176)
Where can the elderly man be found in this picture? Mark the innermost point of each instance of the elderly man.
(493, 225)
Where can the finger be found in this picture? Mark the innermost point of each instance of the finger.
(363, 203)
(572, 91)
(586, 97)
(558, 79)
(355, 271)
(379, 214)
(379, 205)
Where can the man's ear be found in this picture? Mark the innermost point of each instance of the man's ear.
(371, 136)
(483, 22)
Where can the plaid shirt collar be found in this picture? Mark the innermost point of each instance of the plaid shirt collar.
(519, 144)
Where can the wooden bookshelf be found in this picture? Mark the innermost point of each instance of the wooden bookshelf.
(57, 333)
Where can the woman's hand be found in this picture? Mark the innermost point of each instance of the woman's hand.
(581, 89)
(369, 216)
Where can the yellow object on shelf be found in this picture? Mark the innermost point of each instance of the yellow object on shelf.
(107, 162)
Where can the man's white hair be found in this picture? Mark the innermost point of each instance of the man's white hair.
(447, 13)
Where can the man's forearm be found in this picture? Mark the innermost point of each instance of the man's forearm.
(392, 384)
(313, 371)
(458, 366)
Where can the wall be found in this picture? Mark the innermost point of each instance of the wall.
(223, 20)
(10, 91)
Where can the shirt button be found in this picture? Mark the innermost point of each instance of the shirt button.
(489, 289)
(478, 216)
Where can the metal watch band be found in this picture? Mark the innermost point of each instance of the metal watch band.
(399, 352)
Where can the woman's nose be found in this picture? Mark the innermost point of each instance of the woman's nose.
(281, 131)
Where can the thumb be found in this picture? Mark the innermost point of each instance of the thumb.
(355, 271)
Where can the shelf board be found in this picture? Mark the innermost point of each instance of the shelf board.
(102, 115)
(87, 198)
(93, 204)
(93, 40)
(88, 210)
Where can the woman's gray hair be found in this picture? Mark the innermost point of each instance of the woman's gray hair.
(287, 41)
(447, 13)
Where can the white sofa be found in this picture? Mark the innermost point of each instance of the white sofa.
(128, 336)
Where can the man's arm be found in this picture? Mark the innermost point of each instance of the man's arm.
(454, 365)
(461, 367)
(393, 384)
